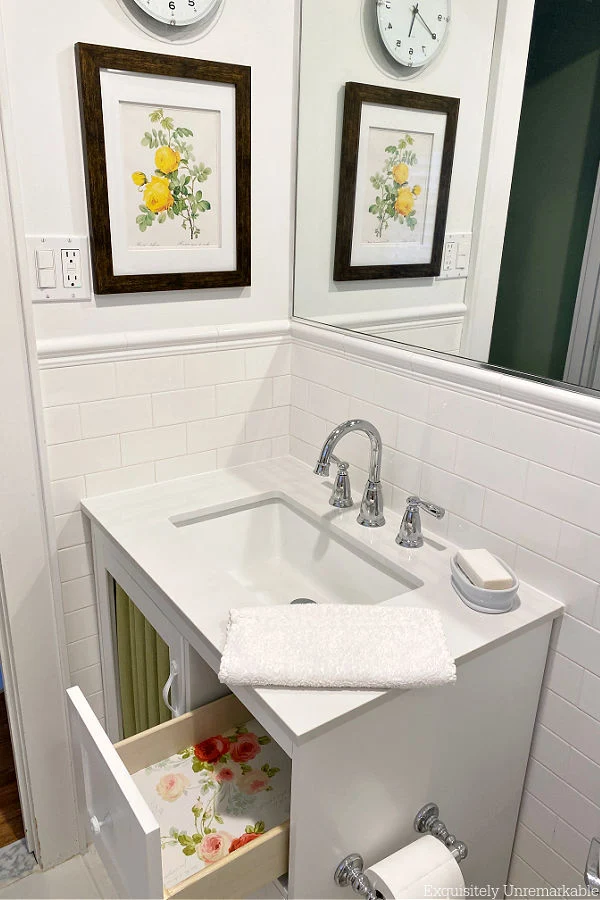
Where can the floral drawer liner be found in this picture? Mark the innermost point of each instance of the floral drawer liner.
(214, 797)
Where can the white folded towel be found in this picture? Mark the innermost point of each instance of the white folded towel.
(328, 645)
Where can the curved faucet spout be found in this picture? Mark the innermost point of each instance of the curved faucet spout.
(371, 510)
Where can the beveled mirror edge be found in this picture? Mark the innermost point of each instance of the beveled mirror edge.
(558, 401)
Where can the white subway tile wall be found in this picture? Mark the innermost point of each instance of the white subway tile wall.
(527, 489)
(513, 481)
(114, 426)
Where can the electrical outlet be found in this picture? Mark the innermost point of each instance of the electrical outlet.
(60, 268)
(71, 267)
(455, 259)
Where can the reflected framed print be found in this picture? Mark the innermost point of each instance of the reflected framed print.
(395, 171)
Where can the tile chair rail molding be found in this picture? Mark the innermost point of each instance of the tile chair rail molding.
(560, 403)
(114, 346)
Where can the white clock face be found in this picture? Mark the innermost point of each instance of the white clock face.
(178, 12)
(413, 31)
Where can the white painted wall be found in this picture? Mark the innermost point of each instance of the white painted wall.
(339, 45)
(31, 629)
(45, 154)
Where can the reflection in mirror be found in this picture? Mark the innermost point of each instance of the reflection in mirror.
(544, 317)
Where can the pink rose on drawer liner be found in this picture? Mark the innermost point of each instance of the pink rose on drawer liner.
(172, 786)
(226, 783)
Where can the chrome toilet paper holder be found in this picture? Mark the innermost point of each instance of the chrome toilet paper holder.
(350, 872)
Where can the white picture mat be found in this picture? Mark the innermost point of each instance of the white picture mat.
(119, 87)
(401, 120)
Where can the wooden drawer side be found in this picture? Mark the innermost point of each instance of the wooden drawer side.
(242, 873)
(164, 740)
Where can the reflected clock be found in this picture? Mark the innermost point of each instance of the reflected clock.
(413, 31)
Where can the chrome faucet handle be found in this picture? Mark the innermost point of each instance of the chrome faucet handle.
(341, 496)
(592, 866)
(410, 534)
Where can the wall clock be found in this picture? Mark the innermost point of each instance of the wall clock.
(413, 31)
(172, 20)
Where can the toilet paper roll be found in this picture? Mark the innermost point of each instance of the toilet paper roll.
(417, 871)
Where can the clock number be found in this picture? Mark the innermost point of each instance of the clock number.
(411, 51)
(390, 25)
(434, 36)
(398, 43)
(439, 18)
(172, 4)
(192, 3)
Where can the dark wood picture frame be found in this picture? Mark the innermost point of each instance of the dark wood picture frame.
(90, 60)
(355, 96)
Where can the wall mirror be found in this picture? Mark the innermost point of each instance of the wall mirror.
(542, 318)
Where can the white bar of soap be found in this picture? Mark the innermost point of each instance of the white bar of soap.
(484, 570)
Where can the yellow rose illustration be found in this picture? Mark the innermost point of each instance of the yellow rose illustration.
(405, 202)
(167, 160)
(393, 200)
(157, 195)
(175, 193)
(400, 173)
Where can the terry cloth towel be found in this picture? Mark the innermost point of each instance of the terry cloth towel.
(332, 646)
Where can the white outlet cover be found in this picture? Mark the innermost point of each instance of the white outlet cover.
(462, 239)
(56, 243)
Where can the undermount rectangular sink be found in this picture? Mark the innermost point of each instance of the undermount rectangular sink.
(280, 554)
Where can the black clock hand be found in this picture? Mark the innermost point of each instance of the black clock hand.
(424, 22)
(414, 12)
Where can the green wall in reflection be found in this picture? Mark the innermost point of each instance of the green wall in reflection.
(558, 152)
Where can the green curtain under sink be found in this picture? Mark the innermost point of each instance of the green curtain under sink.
(143, 660)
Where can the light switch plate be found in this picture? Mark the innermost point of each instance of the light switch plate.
(67, 287)
(457, 253)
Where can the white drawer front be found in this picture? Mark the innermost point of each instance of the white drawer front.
(123, 829)
(122, 825)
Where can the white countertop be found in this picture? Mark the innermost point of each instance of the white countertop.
(139, 521)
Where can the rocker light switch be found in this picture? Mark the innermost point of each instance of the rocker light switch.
(45, 259)
(46, 278)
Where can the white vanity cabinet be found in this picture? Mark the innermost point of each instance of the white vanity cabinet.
(362, 762)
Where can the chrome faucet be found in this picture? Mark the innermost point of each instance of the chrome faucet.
(410, 534)
(371, 507)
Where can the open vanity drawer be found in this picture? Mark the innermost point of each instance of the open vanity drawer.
(197, 807)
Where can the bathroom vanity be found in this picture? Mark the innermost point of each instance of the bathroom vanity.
(362, 762)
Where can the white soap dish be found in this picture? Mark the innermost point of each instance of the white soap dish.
(482, 599)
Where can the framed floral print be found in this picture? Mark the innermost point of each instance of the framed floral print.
(395, 171)
(167, 157)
